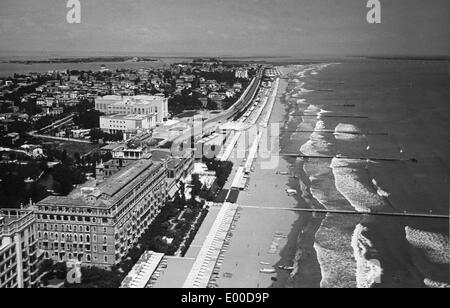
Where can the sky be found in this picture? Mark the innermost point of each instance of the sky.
(227, 27)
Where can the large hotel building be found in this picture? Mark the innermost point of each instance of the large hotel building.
(131, 113)
(98, 226)
(139, 105)
(18, 249)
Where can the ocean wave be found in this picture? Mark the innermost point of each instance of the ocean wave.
(299, 90)
(347, 132)
(321, 112)
(435, 284)
(317, 144)
(311, 110)
(334, 253)
(368, 270)
(435, 245)
(349, 182)
(321, 196)
(380, 191)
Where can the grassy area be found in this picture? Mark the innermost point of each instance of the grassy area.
(74, 147)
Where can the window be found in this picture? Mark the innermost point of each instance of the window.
(106, 259)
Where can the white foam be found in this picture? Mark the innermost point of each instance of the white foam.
(335, 255)
(346, 132)
(380, 191)
(348, 183)
(368, 272)
(435, 245)
(311, 109)
(316, 143)
(435, 284)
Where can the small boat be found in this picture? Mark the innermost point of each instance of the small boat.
(267, 271)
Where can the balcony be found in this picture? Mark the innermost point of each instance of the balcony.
(36, 240)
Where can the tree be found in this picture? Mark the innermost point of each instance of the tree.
(77, 157)
(197, 185)
(96, 134)
(212, 105)
(88, 119)
(179, 103)
(65, 177)
(61, 270)
(222, 169)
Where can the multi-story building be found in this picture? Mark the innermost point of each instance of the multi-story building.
(122, 156)
(18, 249)
(98, 226)
(178, 168)
(124, 123)
(138, 105)
(241, 73)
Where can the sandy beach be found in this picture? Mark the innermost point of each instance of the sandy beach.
(328, 110)
(266, 229)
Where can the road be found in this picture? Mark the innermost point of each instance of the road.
(210, 125)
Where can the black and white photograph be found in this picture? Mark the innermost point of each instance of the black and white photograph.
(214, 146)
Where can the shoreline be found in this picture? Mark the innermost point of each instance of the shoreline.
(269, 238)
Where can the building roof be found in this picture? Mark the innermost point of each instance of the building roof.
(111, 147)
(124, 177)
(174, 163)
(141, 273)
(132, 100)
(114, 188)
(133, 117)
(161, 155)
(14, 220)
(64, 201)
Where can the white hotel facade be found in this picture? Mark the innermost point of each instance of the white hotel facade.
(130, 113)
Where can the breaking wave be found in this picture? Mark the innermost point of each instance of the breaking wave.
(349, 180)
(435, 245)
(368, 270)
